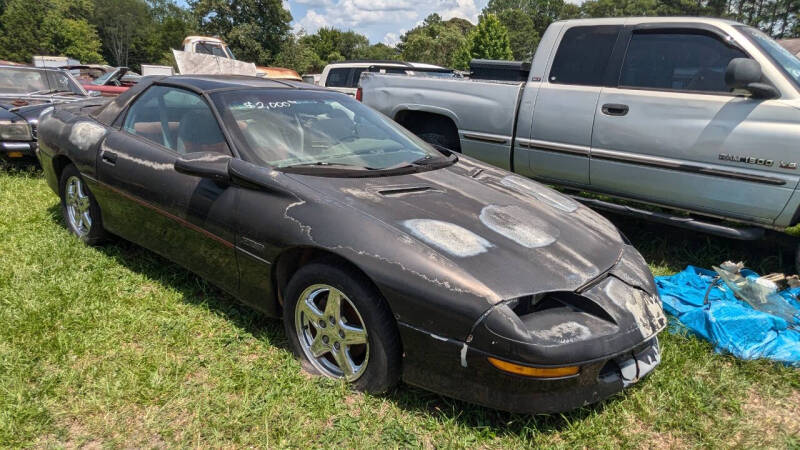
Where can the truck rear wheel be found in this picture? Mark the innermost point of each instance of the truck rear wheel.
(432, 128)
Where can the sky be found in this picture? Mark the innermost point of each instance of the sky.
(380, 20)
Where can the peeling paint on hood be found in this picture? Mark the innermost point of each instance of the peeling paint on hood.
(504, 236)
(451, 238)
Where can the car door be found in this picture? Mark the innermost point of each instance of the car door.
(187, 219)
(672, 132)
(563, 111)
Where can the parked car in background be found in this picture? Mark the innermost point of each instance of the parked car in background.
(280, 73)
(114, 82)
(380, 252)
(24, 93)
(107, 80)
(344, 76)
(695, 115)
(217, 47)
(312, 78)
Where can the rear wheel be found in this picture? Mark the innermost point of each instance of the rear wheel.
(80, 210)
(341, 328)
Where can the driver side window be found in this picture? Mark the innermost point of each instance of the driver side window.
(176, 119)
(677, 61)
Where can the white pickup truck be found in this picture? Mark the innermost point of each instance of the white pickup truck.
(693, 114)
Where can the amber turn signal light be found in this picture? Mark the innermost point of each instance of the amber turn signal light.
(14, 154)
(535, 372)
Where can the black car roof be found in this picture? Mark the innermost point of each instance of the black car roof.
(206, 83)
(199, 84)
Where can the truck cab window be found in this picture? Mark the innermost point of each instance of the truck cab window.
(680, 61)
(583, 55)
(338, 77)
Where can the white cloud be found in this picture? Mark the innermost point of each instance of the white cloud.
(348, 14)
(311, 22)
(464, 9)
(392, 39)
(387, 18)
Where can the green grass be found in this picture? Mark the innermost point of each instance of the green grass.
(117, 347)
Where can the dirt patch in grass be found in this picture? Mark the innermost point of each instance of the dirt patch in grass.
(773, 416)
(652, 438)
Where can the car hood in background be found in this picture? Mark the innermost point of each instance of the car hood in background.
(514, 235)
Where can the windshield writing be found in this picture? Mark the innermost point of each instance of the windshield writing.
(294, 128)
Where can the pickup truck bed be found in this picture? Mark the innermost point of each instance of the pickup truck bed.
(485, 130)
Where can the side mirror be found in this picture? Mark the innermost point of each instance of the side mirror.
(252, 176)
(745, 73)
(213, 166)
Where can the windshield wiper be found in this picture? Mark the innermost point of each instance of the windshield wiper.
(324, 164)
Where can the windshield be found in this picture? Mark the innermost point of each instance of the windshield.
(103, 79)
(282, 128)
(27, 81)
(782, 57)
(213, 48)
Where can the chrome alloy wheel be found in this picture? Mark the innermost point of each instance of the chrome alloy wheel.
(331, 332)
(77, 202)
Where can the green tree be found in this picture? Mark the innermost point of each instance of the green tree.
(489, 40)
(256, 30)
(299, 57)
(541, 12)
(435, 41)
(75, 38)
(380, 51)
(120, 23)
(55, 27)
(167, 25)
(522, 34)
(342, 44)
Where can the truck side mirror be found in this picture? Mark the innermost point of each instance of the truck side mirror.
(745, 73)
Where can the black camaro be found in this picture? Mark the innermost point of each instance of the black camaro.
(386, 257)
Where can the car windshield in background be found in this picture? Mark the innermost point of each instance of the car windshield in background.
(785, 59)
(22, 81)
(103, 79)
(26, 81)
(283, 128)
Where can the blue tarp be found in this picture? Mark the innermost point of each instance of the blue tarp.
(730, 324)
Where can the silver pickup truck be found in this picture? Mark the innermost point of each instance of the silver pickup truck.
(690, 114)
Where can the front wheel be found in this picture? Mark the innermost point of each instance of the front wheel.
(341, 328)
(80, 209)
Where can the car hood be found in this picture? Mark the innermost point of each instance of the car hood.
(29, 111)
(515, 236)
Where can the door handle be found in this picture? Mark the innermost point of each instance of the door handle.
(615, 109)
(109, 158)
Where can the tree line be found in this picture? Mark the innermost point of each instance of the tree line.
(133, 32)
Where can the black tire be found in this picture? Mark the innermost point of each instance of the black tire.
(797, 259)
(384, 349)
(93, 232)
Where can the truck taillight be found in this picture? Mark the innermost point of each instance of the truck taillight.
(359, 94)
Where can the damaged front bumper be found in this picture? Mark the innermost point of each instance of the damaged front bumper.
(557, 350)
(455, 369)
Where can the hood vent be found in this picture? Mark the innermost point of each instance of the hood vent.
(406, 190)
